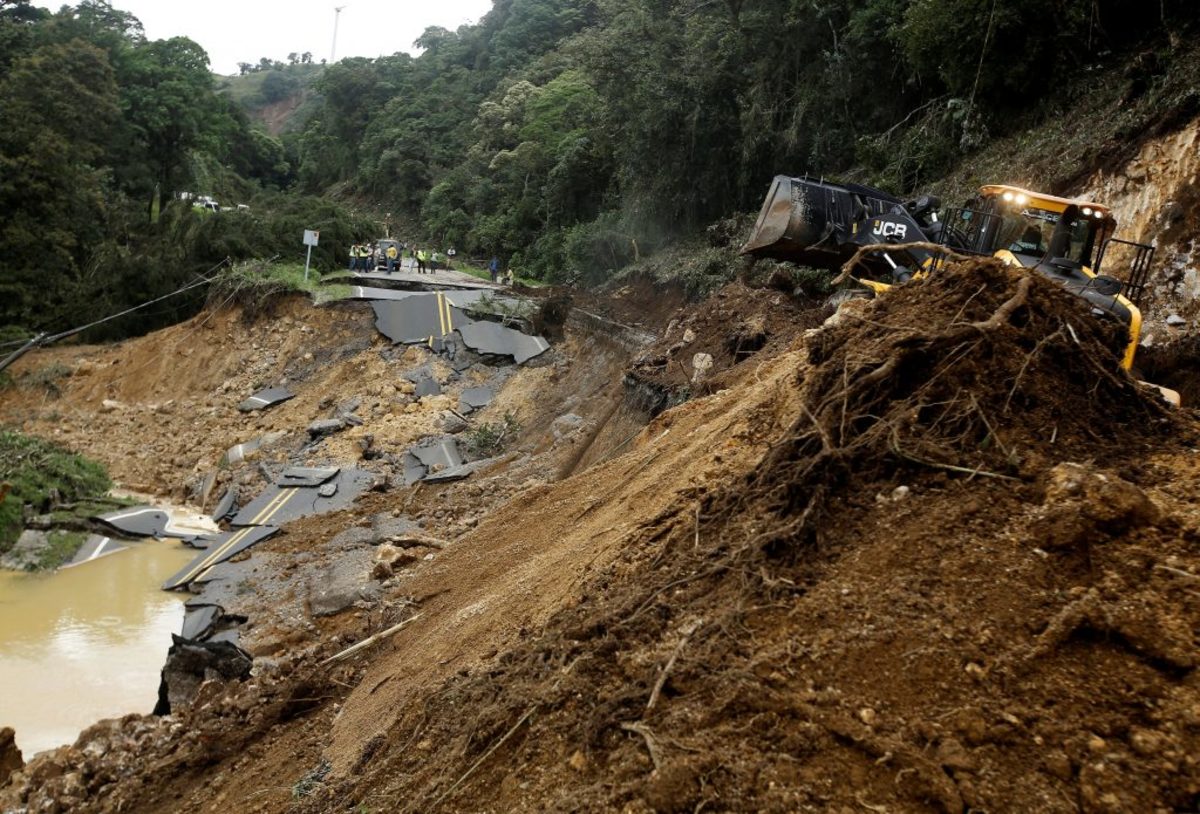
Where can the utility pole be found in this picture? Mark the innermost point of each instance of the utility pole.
(337, 14)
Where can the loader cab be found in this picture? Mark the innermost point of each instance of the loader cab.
(1032, 229)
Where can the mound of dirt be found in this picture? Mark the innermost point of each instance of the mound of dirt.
(866, 619)
(705, 339)
(939, 555)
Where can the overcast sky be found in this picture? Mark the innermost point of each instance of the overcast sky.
(234, 31)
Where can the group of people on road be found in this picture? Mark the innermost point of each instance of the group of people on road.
(390, 254)
(366, 257)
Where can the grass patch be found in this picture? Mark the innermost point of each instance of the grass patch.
(256, 284)
(63, 546)
(47, 378)
(33, 469)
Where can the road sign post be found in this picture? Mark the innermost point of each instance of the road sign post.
(311, 237)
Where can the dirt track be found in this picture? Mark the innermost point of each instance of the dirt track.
(966, 583)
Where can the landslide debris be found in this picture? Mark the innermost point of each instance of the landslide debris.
(703, 340)
(950, 584)
(940, 554)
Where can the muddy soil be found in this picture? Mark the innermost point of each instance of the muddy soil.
(939, 554)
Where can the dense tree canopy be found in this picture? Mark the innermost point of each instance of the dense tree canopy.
(566, 136)
(101, 129)
(560, 131)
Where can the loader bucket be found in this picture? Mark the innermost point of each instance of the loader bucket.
(809, 222)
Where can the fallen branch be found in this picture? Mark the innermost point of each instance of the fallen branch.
(354, 648)
(1179, 572)
(850, 265)
(651, 741)
(688, 630)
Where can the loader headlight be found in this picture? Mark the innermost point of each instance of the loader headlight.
(1087, 211)
(1015, 197)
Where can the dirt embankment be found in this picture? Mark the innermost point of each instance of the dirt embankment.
(940, 555)
(953, 569)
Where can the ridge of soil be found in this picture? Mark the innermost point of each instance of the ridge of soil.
(938, 554)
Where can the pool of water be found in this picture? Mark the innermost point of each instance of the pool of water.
(86, 643)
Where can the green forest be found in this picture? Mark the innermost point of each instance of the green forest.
(566, 136)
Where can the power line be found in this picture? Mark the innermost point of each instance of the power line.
(43, 339)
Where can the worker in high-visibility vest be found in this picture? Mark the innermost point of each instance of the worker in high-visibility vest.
(392, 254)
(353, 256)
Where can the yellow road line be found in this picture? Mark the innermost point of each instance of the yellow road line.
(441, 316)
(261, 518)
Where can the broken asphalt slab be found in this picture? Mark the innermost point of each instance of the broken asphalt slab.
(199, 621)
(225, 506)
(493, 338)
(93, 548)
(440, 456)
(280, 504)
(359, 292)
(266, 398)
(147, 521)
(427, 386)
(475, 398)
(420, 318)
(219, 549)
(307, 476)
(138, 521)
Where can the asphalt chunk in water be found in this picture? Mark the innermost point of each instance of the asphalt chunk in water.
(94, 547)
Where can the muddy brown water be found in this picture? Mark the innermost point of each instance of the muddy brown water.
(86, 643)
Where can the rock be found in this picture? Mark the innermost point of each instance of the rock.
(11, 759)
(341, 597)
(452, 423)
(689, 336)
(900, 493)
(1174, 320)
(326, 426)
(578, 761)
(111, 406)
(1082, 501)
(26, 553)
(1057, 764)
(701, 365)
(190, 663)
(954, 756)
(566, 424)
(847, 309)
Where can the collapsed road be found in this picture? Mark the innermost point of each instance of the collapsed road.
(412, 317)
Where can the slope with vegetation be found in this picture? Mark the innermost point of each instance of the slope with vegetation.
(102, 129)
(573, 136)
